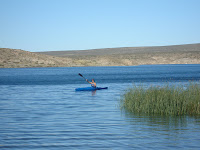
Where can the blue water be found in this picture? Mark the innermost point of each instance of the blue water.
(39, 109)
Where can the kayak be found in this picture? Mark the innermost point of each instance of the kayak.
(90, 88)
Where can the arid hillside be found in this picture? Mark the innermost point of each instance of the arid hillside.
(126, 50)
(15, 58)
(127, 56)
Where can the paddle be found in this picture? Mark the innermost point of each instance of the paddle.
(82, 76)
(87, 80)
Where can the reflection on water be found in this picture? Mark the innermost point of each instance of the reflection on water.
(94, 93)
(167, 122)
(170, 131)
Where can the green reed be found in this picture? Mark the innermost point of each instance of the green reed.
(165, 100)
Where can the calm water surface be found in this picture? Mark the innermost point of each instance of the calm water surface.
(39, 109)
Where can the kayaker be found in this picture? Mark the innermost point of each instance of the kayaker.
(93, 83)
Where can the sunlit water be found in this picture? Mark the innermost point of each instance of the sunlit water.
(39, 109)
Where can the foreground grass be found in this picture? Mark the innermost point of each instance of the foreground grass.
(165, 100)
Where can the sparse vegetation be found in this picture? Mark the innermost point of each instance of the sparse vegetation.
(14, 58)
(127, 56)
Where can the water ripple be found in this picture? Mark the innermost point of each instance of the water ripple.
(54, 116)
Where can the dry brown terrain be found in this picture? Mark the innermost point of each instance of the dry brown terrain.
(15, 58)
(126, 50)
(128, 56)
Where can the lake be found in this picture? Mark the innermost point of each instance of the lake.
(40, 109)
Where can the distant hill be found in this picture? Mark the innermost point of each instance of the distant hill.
(126, 50)
(128, 56)
(15, 58)
(125, 56)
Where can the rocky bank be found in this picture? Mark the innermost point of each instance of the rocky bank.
(128, 56)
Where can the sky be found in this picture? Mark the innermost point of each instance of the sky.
(50, 25)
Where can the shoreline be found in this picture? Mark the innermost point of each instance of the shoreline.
(181, 54)
(96, 66)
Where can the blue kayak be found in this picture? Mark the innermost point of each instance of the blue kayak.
(90, 88)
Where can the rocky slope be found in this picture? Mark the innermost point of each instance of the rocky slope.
(126, 50)
(15, 58)
(128, 56)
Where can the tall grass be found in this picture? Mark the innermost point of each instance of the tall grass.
(165, 100)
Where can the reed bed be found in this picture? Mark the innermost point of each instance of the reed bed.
(165, 100)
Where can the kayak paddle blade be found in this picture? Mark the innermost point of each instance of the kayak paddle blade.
(80, 75)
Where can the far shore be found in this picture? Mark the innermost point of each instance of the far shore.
(180, 54)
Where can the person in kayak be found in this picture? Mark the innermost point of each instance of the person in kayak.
(93, 83)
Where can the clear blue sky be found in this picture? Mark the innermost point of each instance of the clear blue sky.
(46, 25)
